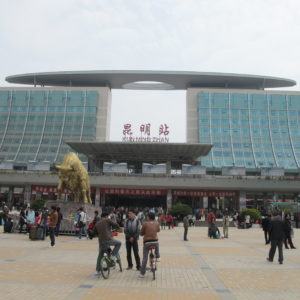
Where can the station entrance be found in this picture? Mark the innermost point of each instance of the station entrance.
(138, 198)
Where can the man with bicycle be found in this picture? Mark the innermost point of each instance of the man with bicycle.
(102, 229)
(149, 230)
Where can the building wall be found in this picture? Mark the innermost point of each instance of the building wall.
(248, 128)
(36, 123)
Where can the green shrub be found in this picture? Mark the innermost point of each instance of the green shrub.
(37, 204)
(180, 210)
(252, 212)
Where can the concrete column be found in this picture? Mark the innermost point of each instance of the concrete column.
(97, 197)
(168, 167)
(242, 200)
(205, 202)
(169, 199)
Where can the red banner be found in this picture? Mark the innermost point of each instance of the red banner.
(135, 192)
(52, 189)
(201, 193)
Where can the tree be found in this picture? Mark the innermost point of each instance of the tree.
(180, 210)
(37, 204)
(252, 212)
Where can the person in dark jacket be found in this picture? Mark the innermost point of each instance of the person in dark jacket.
(265, 226)
(276, 231)
(22, 220)
(288, 232)
(102, 229)
(60, 218)
(132, 228)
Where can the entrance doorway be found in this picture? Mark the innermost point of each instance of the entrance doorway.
(139, 202)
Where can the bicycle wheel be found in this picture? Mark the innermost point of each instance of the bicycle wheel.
(119, 263)
(104, 267)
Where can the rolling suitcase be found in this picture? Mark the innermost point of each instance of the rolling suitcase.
(33, 233)
(40, 233)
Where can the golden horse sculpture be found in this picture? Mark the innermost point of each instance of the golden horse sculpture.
(73, 176)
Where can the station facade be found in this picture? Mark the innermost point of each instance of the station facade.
(253, 130)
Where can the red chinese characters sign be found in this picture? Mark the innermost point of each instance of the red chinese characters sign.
(52, 189)
(136, 192)
(145, 133)
(201, 193)
(48, 189)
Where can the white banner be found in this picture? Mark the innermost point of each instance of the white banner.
(6, 165)
(235, 171)
(188, 169)
(38, 166)
(154, 169)
(276, 172)
(115, 168)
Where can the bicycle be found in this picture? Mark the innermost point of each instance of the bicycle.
(152, 260)
(106, 263)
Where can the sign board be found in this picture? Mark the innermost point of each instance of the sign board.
(203, 193)
(6, 165)
(234, 171)
(196, 170)
(154, 169)
(275, 172)
(38, 166)
(115, 168)
(136, 192)
(145, 131)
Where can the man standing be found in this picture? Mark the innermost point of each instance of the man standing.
(265, 226)
(60, 217)
(276, 231)
(211, 220)
(102, 229)
(52, 224)
(132, 229)
(225, 224)
(186, 227)
(149, 230)
(81, 223)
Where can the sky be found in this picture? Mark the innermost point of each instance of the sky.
(230, 36)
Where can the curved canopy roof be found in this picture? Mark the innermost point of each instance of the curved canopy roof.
(150, 80)
(141, 152)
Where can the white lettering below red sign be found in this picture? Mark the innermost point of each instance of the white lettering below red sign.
(201, 193)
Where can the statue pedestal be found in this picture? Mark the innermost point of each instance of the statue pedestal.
(69, 210)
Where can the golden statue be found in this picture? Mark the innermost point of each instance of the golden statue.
(74, 176)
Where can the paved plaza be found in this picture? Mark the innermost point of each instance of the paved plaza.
(202, 268)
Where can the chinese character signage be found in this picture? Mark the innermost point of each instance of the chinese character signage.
(115, 168)
(201, 193)
(160, 134)
(136, 192)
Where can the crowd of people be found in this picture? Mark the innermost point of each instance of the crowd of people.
(277, 228)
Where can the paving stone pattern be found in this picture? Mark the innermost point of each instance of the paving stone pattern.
(202, 268)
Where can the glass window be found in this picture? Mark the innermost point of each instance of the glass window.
(277, 101)
(258, 101)
(203, 100)
(92, 98)
(238, 101)
(57, 98)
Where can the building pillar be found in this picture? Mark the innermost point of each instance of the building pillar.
(97, 197)
(27, 194)
(242, 200)
(168, 167)
(169, 200)
(205, 202)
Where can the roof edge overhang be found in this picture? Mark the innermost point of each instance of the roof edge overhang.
(150, 80)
